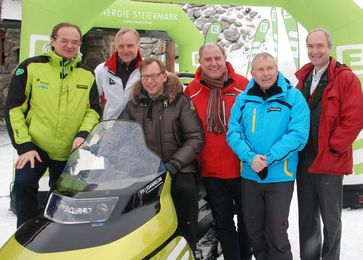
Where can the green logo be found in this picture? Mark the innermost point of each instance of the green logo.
(19, 72)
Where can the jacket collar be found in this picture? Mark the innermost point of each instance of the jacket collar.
(57, 60)
(231, 73)
(333, 70)
(172, 89)
(279, 89)
(111, 63)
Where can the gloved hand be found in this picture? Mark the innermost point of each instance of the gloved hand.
(263, 174)
(172, 169)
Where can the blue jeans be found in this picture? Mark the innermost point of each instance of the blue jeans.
(224, 196)
(26, 185)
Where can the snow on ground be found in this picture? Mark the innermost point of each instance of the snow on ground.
(352, 239)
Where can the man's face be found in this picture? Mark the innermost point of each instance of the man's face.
(66, 43)
(153, 79)
(127, 47)
(265, 72)
(212, 62)
(318, 50)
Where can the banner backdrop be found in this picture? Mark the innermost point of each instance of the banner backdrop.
(344, 19)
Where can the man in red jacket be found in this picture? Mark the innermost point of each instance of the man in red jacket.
(213, 92)
(335, 99)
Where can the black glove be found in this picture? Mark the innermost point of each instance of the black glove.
(172, 169)
(263, 174)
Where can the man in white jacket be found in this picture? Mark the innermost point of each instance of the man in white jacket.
(117, 75)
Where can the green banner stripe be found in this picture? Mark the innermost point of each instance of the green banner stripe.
(358, 169)
(358, 144)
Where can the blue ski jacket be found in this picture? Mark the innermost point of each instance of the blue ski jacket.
(274, 123)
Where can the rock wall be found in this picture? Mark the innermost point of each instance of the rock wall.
(238, 23)
(10, 59)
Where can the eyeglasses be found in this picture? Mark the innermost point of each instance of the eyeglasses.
(74, 43)
(153, 76)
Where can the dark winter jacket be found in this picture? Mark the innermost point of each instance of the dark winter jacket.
(340, 120)
(171, 124)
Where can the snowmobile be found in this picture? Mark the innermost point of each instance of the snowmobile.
(112, 201)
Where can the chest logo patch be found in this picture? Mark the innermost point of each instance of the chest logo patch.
(111, 81)
(82, 86)
(19, 72)
(42, 86)
(274, 109)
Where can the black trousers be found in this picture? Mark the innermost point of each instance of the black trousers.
(224, 196)
(184, 193)
(26, 185)
(319, 196)
(266, 208)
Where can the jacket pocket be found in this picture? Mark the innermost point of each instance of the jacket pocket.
(286, 169)
(327, 162)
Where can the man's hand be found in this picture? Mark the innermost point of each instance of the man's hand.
(27, 157)
(259, 163)
(77, 143)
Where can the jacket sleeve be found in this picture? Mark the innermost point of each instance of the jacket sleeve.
(99, 83)
(16, 108)
(126, 113)
(192, 135)
(235, 135)
(351, 115)
(297, 131)
(93, 113)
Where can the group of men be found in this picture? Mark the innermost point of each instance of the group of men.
(248, 140)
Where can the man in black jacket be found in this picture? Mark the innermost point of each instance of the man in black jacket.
(173, 131)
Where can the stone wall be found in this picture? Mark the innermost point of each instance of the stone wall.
(238, 23)
(11, 46)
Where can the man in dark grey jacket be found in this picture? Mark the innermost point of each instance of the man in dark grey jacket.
(173, 131)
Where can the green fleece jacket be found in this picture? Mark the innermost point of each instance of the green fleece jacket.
(50, 102)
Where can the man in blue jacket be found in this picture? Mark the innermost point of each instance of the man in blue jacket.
(269, 124)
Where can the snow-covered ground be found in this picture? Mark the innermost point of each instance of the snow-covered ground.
(352, 239)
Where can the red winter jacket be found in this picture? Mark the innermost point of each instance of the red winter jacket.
(216, 158)
(341, 118)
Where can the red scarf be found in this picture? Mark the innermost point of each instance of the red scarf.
(216, 121)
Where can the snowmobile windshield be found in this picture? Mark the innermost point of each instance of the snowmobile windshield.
(114, 164)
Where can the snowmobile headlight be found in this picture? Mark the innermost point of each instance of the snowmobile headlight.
(66, 210)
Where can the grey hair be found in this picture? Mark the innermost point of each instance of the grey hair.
(208, 45)
(122, 31)
(326, 33)
(263, 55)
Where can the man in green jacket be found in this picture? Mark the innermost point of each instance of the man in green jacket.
(52, 105)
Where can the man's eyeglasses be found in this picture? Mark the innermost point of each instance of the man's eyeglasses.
(74, 43)
(153, 76)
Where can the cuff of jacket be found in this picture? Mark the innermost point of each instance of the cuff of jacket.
(82, 134)
(25, 147)
(250, 156)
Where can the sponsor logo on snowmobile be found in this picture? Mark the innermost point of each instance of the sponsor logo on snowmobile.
(274, 109)
(75, 210)
(151, 186)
